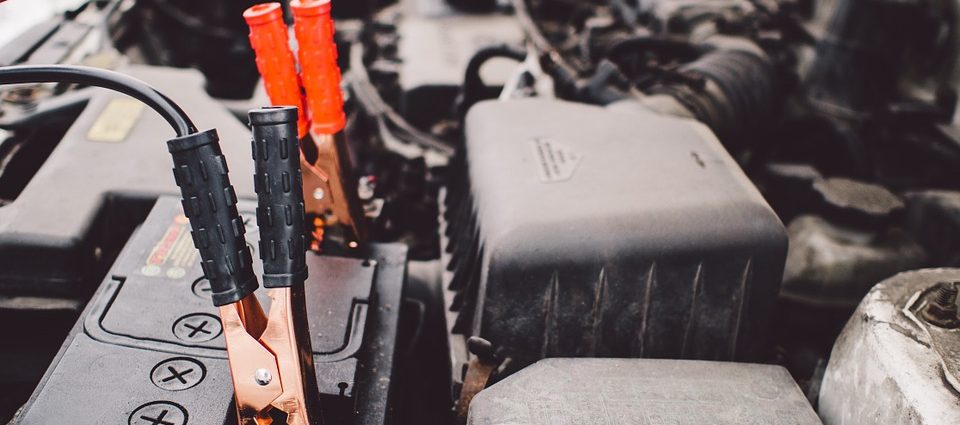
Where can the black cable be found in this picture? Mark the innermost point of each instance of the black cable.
(565, 74)
(682, 50)
(473, 85)
(226, 259)
(369, 99)
(472, 75)
(170, 111)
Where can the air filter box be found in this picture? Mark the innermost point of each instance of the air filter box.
(588, 232)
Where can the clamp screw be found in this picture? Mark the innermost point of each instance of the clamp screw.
(318, 194)
(942, 310)
(263, 377)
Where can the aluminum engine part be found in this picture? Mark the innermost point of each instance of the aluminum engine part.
(580, 231)
(891, 365)
(831, 265)
(635, 391)
(856, 202)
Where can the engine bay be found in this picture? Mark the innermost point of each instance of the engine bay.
(481, 212)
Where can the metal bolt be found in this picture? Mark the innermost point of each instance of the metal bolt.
(318, 194)
(367, 187)
(942, 309)
(947, 294)
(263, 377)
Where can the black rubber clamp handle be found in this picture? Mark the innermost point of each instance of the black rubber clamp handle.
(210, 202)
(279, 185)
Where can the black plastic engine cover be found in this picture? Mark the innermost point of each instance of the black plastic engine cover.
(107, 170)
(588, 232)
(150, 340)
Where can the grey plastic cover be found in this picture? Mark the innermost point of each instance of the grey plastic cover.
(598, 233)
(643, 391)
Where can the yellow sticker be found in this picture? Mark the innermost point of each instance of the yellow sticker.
(115, 122)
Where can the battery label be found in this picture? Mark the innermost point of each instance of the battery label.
(116, 121)
(174, 254)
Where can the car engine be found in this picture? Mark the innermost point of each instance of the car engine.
(392, 212)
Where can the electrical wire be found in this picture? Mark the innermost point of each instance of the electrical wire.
(369, 99)
(169, 110)
(530, 27)
(473, 85)
(564, 73)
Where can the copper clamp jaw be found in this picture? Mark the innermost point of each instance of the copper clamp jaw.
(329, 188)
(270, 357)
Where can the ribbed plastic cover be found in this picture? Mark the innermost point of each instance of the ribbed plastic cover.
(581, 231)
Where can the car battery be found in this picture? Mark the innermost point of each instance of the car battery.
(149, 347)
(100, 181)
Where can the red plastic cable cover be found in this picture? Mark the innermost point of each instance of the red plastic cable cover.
(313, 26)
(268, 36)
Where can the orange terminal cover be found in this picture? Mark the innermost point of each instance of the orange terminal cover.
(268, 36)
(314, 28)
